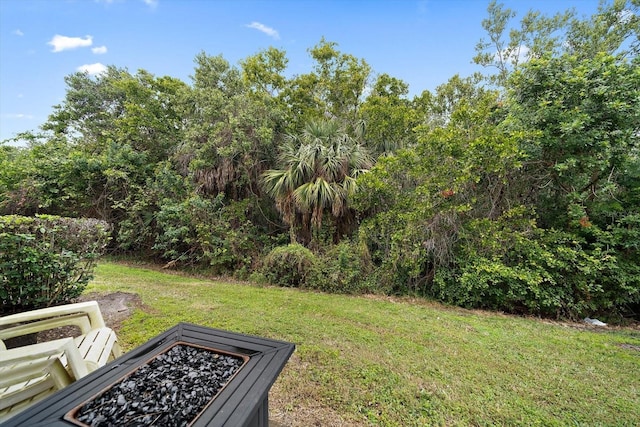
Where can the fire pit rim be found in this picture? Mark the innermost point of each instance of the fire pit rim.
(72, 414)
(243, 403)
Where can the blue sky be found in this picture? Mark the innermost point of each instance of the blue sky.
(423, 42)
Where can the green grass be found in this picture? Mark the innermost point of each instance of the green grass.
(401, 362)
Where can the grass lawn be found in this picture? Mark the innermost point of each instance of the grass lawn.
(401, 362)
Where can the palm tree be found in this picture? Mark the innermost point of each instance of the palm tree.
(318, 175)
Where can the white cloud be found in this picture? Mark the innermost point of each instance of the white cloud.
(151, 3)
(18, 33)
(19, 116)
(99, 50)
(263, 28)
(92, 69)
(61, 43)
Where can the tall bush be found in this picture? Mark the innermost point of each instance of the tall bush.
(512, 265)
(343, 268)
(47, 260)
(291, 265)
(213, 232)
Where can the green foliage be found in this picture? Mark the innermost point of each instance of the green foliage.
(388, 116)
(317, 176)
(421, 198)
(231, 125)
(105, 143)
(41, 179)
(138, 228)
(522, 201)
(535, 37)
(584, 118)
(47, 260)
(509, 264)
(291, 265)
(12, 173)
(335, 88)
(208, 232)
(142, 111)
(263, 72)
(342, 268)
(613, 29)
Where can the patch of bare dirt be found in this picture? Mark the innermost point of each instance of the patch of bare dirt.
(114, 307)
(630, 347)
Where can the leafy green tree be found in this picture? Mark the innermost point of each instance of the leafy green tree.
(421, 198)
(584, 118)
(232, 119)
(434, 110)
(42, 178)
(318, 175)
(335, 89)
(140, 110)
(102, 145)
(230, 135)
(388, 116)
(613, 29)
(264, 72)
(507, 48)
(12, 173)
(565, 251)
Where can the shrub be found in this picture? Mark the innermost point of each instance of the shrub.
(291, 265)
(47, 260)
(343, 268)
(258, 278)
(514, 266)
(210, 232)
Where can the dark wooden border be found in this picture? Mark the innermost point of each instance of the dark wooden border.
(242, 402)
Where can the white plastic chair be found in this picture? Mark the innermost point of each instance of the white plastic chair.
(31, 372)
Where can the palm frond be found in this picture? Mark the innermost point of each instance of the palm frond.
(320, 167)
(277, 182)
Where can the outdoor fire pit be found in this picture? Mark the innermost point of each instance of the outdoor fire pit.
(189, 375)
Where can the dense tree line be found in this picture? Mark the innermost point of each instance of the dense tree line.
(516, 190)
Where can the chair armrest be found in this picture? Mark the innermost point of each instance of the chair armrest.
(34, 370)
(76, 319)
(64, 348)
(24, 381)
(85, 315)
(90, 308)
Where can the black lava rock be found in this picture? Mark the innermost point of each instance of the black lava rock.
(170, 390)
